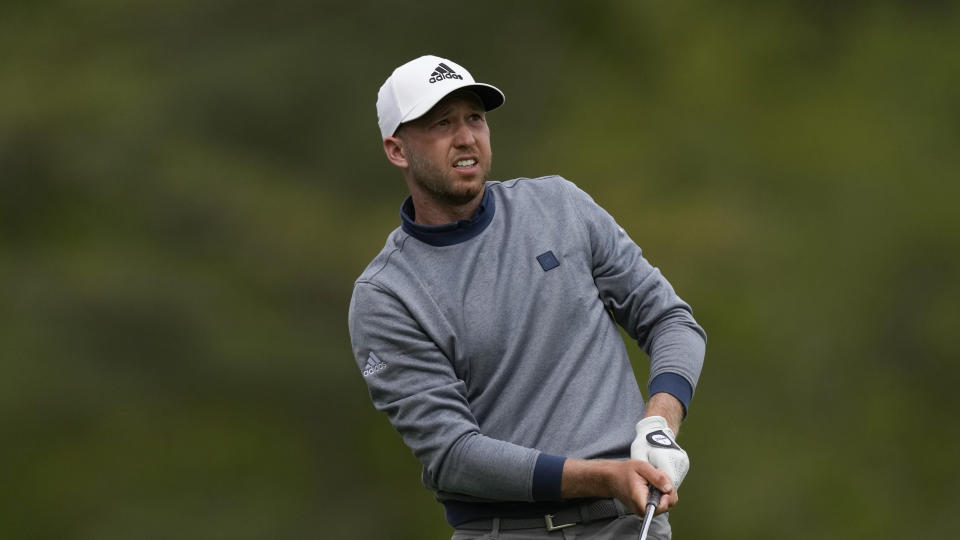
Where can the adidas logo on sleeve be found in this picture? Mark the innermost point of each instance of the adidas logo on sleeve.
(442, 72)
(374, 365)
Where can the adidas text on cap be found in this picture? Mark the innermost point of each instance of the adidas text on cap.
(415, 87)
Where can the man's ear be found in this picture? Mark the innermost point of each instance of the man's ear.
(393, 148)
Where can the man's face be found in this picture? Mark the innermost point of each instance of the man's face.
(448, 149)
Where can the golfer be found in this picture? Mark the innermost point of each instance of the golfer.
(486, 330)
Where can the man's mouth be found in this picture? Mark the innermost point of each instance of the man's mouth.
(465, 163)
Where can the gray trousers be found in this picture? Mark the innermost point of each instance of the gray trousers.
(619, 528)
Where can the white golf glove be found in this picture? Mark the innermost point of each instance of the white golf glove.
(656, 444)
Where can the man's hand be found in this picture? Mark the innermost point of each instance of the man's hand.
(656, 444)
(627, 481)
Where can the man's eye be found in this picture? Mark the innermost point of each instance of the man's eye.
(443, 122)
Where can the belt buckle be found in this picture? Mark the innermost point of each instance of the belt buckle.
(551, 527)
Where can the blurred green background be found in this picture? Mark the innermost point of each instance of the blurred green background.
(189, 188)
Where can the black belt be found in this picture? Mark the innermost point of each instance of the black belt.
(568, 517)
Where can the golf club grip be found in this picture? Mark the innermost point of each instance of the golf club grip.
(654, 497)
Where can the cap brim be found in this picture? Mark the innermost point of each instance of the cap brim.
(491, 97)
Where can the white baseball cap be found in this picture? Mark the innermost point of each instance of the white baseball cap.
(415, 87)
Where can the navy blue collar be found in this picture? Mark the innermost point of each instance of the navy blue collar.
(449, 233)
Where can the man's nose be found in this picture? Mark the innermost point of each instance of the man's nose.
(464, 135)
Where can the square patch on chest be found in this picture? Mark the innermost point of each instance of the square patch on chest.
(548, 261)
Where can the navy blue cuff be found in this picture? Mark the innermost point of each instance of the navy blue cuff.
(547, 477)
(675, 385)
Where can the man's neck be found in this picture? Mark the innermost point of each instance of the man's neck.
(428, 211)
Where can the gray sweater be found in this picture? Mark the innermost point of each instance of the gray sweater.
(490, 343)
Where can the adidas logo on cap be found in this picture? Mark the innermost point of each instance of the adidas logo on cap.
(442, 72)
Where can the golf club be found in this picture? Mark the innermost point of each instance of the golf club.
(653, 500)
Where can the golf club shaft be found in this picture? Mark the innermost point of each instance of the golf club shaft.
(653, 500)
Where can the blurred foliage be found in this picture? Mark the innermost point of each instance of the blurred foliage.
(189, 188)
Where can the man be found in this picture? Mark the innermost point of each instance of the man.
(485, 331)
